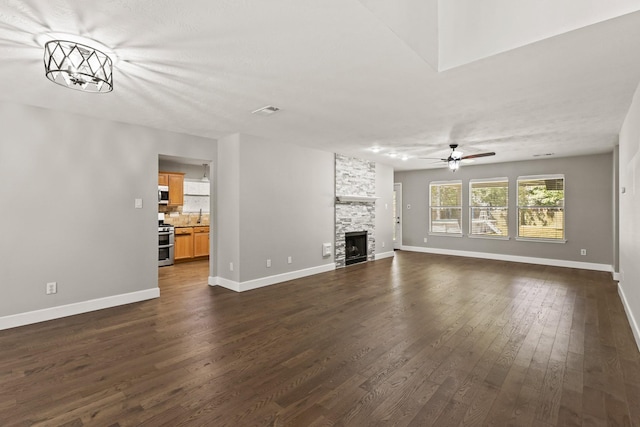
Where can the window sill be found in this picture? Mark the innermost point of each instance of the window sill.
(529, 239)
(478, 236)
(445, 234)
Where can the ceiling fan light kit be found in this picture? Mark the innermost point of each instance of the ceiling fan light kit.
(456, 157)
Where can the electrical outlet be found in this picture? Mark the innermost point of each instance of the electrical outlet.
(383, 244)
(425, 240)
(52, 288)
(289, 260)
(268, 263)
(583, 251)
(230, 266)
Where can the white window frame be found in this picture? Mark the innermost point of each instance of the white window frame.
(440, 233)
(564, 209)
(471, 207)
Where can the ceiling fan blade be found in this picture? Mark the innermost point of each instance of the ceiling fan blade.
(474, 156)
(431, 158)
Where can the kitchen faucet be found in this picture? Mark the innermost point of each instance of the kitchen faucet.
(199, 216)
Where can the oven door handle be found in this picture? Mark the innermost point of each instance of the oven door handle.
(165, 233)
(165, 246)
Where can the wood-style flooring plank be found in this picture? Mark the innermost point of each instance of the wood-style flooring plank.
(417, 340)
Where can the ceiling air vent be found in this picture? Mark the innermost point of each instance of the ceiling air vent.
(266, 111)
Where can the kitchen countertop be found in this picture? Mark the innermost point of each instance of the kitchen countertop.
(191, 225)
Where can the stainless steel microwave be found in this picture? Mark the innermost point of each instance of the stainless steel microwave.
(163, 195)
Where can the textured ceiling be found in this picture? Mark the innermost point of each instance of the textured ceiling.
(343, 79)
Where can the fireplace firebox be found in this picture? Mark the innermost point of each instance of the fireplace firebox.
(355, 247)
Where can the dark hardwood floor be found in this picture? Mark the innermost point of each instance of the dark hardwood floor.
(417, 340)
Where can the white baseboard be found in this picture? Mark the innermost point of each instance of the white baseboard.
(616, 276)
(383, 255)
(270, 280)
(512, 258)
(225, 283)
(58, 312)
(632, 320)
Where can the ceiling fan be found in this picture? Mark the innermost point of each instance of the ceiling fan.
(455, 157)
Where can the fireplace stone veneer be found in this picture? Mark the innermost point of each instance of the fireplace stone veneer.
(354, 177)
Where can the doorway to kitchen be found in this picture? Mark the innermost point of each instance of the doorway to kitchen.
(184, 219)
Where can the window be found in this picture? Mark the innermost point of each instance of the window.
(488, 207)
(445, 207)
(541, 207)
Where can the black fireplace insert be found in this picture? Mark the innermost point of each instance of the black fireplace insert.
(355, 247)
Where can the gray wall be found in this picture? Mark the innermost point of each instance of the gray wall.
(68, 185)
(274, 200)
(286, 207)
(588, 208)
(629, 237)
(384, 208)
(226, 210)
(616, 208)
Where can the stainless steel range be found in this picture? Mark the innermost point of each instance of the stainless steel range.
(165, 244)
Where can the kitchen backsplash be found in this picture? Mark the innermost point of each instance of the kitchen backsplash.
(177, 218)
(195, 203)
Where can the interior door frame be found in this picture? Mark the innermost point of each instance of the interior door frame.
(397, 221)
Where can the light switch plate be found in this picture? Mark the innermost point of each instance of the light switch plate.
(52, 288)
(138, 203)
(326, 249)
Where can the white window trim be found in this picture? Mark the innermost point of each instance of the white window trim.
(539, 177)
(540, 240)
(497, 179)
(435, 234)
(452, 182)
(480, 236)
(481, 180)
(564, 208)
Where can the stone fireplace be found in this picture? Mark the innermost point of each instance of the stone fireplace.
(355, 214)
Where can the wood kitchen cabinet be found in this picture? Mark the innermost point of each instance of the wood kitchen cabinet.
(191, 242)
(183, 243)
(176, 189)
(175, 181)
(200, 241)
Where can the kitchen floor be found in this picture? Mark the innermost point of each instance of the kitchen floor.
(194, 272)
